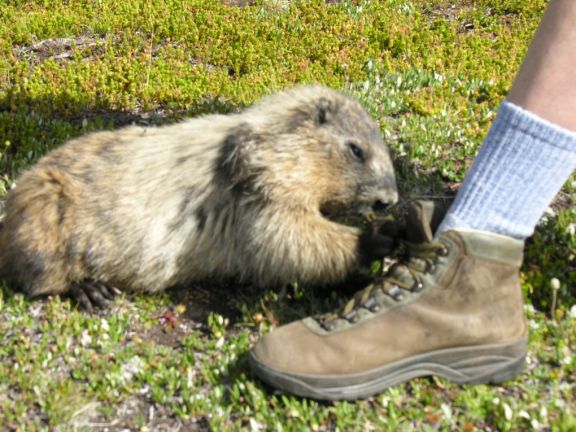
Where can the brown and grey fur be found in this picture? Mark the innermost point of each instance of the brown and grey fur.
(235, 195)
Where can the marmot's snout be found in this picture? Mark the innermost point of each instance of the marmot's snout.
(385, 197)
(380, 206)
(378, 197)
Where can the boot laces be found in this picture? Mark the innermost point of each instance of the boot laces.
(403, 276)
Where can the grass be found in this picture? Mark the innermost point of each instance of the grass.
(432, 72)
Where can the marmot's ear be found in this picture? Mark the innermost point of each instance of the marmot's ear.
(233, 163)
(323, 111)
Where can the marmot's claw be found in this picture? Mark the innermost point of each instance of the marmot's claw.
(90, 294)
(107, 291)
(80, 297)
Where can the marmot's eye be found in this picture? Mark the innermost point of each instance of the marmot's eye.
(356, 151)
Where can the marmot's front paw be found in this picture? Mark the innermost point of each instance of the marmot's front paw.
(380, 238)
(90, 294)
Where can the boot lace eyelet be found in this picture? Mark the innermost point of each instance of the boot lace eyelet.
(418, 286)
(351, 317)
(444, 251)
(371, 305)
(395, 292)
(430, 268)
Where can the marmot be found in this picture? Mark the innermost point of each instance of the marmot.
(239, 195)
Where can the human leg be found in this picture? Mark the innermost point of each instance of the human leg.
(531, 148)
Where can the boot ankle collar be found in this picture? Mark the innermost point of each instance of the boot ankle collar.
(491, 246)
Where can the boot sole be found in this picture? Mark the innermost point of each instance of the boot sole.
(481, 364)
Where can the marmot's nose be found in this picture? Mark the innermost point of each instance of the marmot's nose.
(384, 199)
(380, 206)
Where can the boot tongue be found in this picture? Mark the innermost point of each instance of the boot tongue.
(422, 220)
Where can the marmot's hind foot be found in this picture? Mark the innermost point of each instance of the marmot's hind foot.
(90, 293)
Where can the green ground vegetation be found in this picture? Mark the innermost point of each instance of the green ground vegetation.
(432, 72)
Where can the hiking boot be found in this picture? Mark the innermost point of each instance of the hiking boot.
(451, 307)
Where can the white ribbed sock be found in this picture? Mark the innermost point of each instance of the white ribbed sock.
(521, 166)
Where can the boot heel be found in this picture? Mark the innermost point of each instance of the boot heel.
(487, 364)
(501, 374)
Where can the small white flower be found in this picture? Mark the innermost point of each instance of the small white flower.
(293, 413)
(190, 375)
(104, 325)
(134, 365)
(447, 411)
(255, 425)
(507, 411)
(543, 412)
(220, 343)
(571, 229)
(47, 360)
(217, 393)
(554, 284)
(523, 414)
(34, 311)
(85, 338)
(572, 312)
(533, 324)
(560, 403)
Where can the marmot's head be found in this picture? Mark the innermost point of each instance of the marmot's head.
(312, 147)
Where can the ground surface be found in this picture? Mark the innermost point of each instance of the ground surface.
(433, 73)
